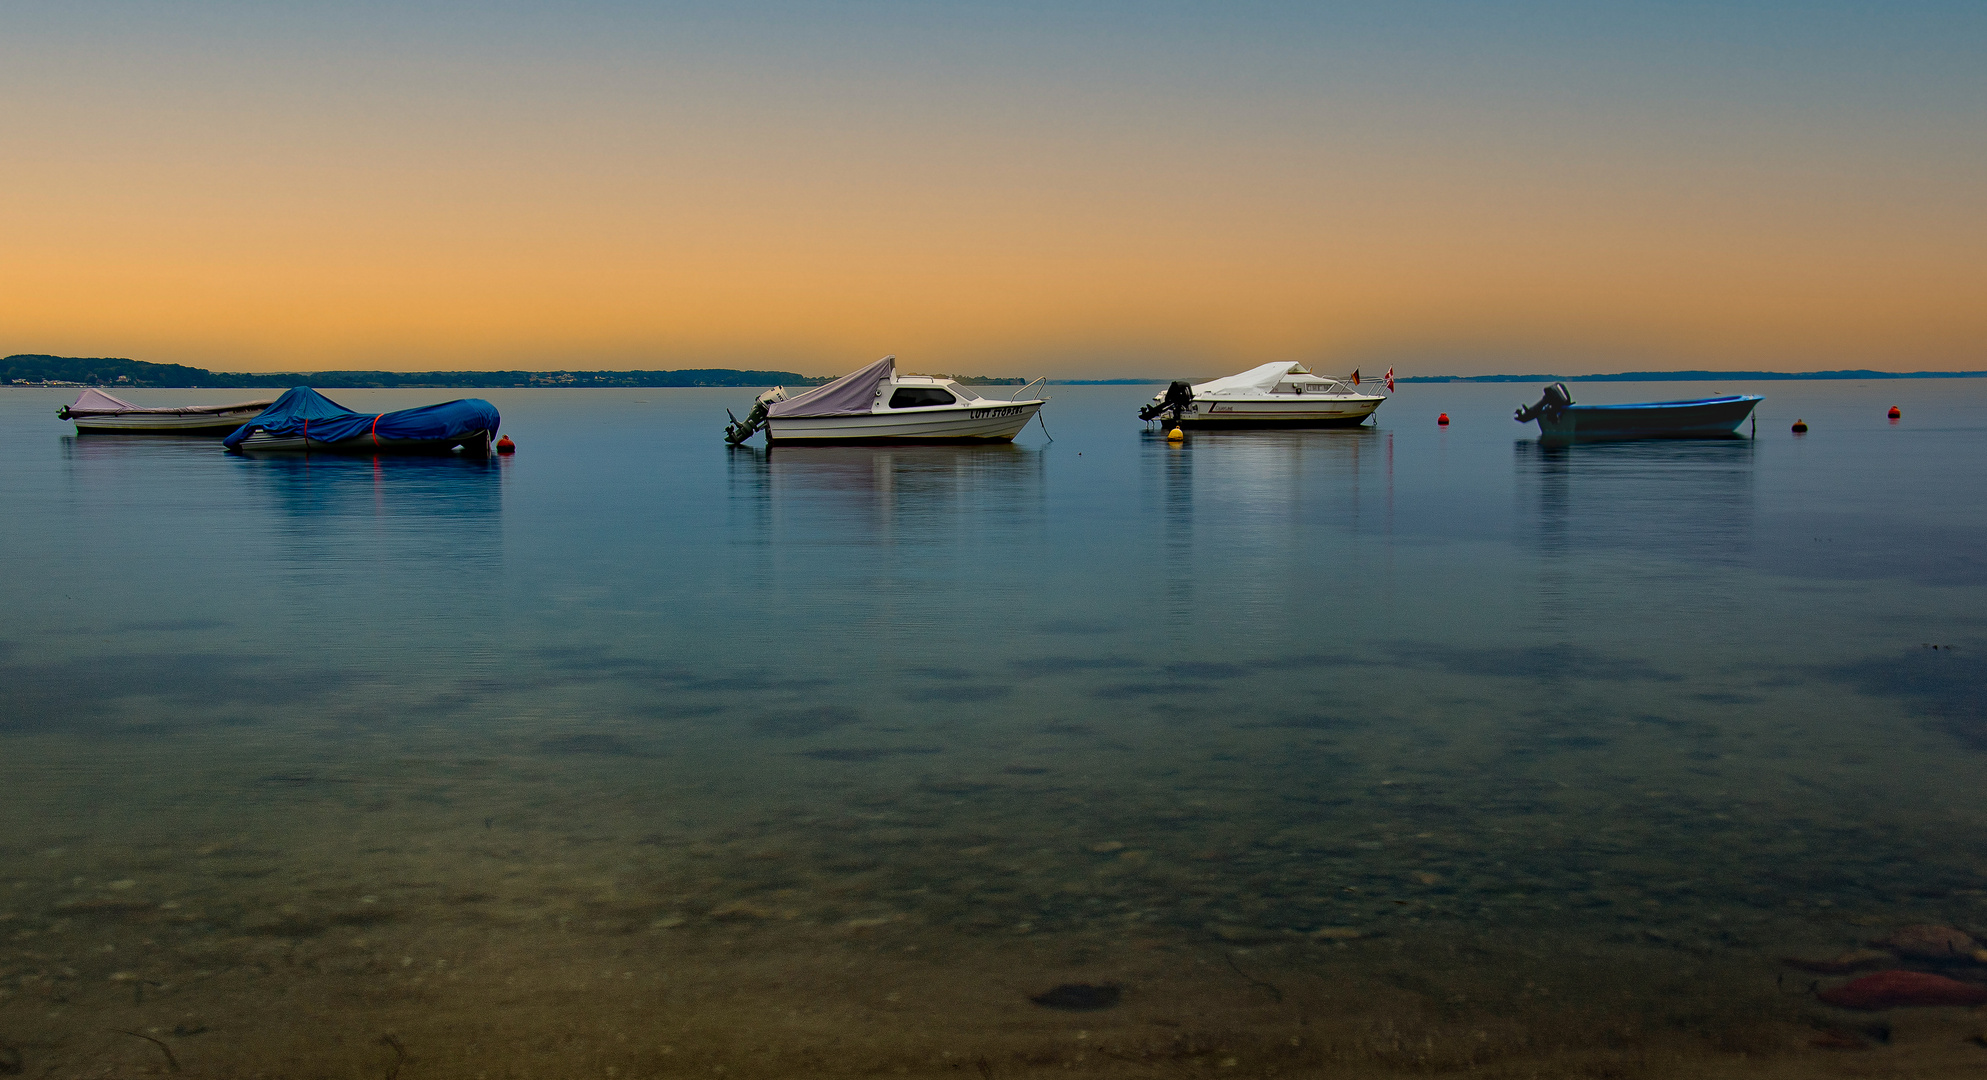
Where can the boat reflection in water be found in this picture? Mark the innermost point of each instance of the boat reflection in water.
(1682, 499)
(1269, 506)
(303, 487)
(1274, 476)
(418, 536)
(904, 493)
(105, 452)
(357, 560)
(323, 487)
(1611, 520)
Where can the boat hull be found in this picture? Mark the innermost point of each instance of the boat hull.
(164, 424)
(1295, 412)
(1702, 418)
(472, 443)
(985, 422)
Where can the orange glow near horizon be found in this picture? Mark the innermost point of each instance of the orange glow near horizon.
(576, 230)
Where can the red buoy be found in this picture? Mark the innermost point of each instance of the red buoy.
(506, 446)
(1443, 419)
(1800, 426)
(1895, 412)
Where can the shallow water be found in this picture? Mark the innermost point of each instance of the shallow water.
(1366, 752)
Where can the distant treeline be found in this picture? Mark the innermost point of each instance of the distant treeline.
(1698, 376)
(107, 371)
(117, 372)
(104, 371)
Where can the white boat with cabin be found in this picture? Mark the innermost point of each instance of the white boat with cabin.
(98, 413)
(877, 405)
(1279, 395)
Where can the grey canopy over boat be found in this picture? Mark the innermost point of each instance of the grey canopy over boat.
(853, 394)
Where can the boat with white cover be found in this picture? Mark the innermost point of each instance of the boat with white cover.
(98, 413)
(877, 405)
(1279, 395)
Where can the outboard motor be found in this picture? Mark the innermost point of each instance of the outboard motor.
(1179, 398)
(1555, 399)
(736, 432)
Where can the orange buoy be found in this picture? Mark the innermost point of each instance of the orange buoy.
(1895, 412)
(1443, 419)
(506, 446)
(1800, 426)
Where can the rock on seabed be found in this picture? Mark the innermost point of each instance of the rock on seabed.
(1927, 942)
(1857, 960)
(1897, 989)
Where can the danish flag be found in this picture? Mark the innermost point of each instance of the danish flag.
(1390, 380)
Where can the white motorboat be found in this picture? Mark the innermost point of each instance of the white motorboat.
(98, 413)
(877, 405)
(1279, 395)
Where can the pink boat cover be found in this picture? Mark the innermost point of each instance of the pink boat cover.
(853, 394)
(94, 402)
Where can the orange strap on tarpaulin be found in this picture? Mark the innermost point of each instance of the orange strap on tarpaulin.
(375, 431)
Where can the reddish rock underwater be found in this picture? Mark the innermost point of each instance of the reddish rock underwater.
(1897, 989)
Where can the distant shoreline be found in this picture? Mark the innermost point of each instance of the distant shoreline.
(41, 371)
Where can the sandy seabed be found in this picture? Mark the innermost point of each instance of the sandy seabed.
(563, 915)
(495, 996)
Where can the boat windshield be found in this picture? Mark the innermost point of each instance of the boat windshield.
(1314, 385)
(921, 397)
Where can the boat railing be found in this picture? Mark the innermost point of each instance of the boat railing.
(1019, 394)
(1345, 387)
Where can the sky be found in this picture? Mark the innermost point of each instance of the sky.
(1074, 189)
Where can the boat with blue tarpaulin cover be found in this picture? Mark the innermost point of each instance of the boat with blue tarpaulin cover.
(305, 420)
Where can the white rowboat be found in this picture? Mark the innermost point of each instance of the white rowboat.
(98, 413)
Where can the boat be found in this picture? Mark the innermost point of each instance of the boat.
(877, 405)
(98, 413)
(1560, 420)
(307, 421)
(1279, 395)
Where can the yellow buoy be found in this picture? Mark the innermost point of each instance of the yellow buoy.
(1176, 433)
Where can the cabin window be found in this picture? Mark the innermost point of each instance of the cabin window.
(921, 397)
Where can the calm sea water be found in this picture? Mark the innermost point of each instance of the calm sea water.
(1353, 752)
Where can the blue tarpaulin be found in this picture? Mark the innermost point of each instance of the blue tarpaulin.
(303, 411)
